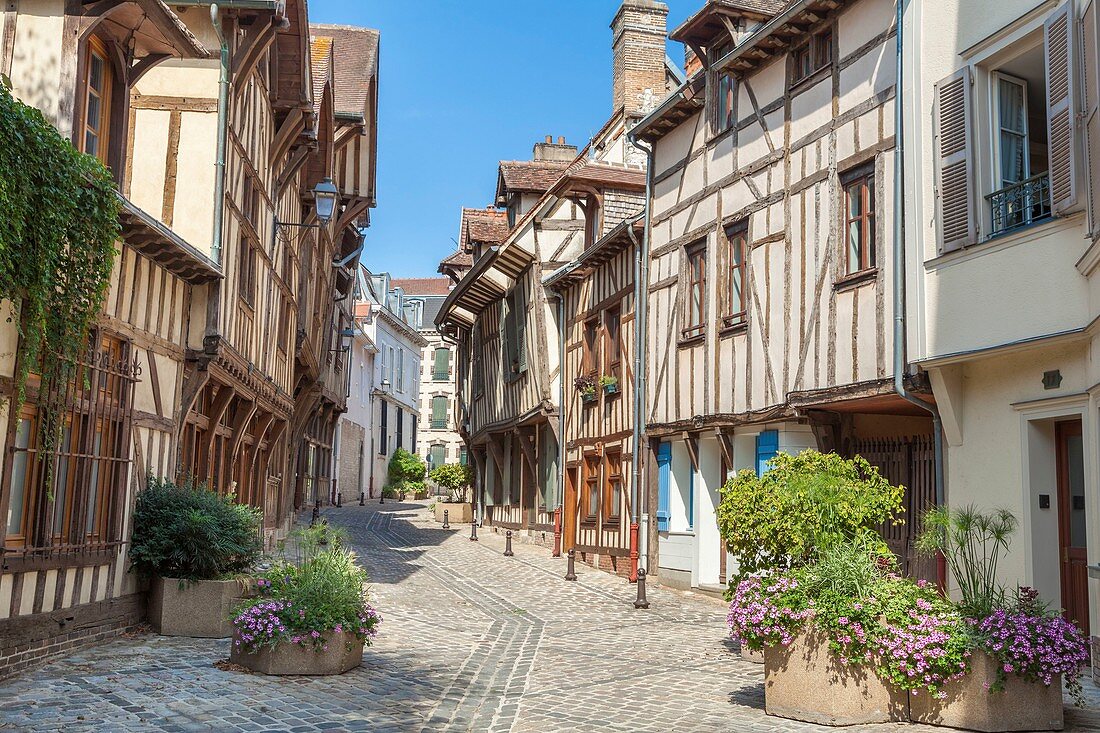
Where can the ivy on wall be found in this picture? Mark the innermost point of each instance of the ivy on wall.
(58, 227)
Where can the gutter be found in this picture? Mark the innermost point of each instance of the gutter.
(640, 545)
(901, 363)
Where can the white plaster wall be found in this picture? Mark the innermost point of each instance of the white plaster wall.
(37, 65)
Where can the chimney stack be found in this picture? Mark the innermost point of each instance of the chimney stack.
(638, 50)
(550, 151)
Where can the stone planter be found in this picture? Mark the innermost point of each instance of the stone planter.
(1023, 705)
(344, 653)
(751, 655)
(458, 513)
(805, 681)
(200, 609)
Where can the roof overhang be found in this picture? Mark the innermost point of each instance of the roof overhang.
(163, 246)
(487, 282)
(712, 21)
(622, 236)
(775, 35)
(588, 176)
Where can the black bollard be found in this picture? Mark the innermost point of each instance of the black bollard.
(446, 519)
(382, 497)
(473, 531)
(339, 500)
(316, 513)
(508, 544)
(362, 498)
(570, 568)
(641, 601)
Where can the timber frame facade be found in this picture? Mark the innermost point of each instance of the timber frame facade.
(221, 348)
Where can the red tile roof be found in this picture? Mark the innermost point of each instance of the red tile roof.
(355, 52)
(458, 260)
(706, 21)
(486, 226)
(320, 59)
(528, 176)
(602, 175)
(423, 285)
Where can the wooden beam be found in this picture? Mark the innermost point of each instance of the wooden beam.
(141, 68)
(725, 442)
(240, 428)
(256, 41)
(692, 444)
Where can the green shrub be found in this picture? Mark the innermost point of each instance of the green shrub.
(455, 478)
(191, 533)
(405, 468)
(801, 505)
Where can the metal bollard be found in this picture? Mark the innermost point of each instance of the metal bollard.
(382, 497)
(446, 519)
(508, 544)
(570, 567)
(316, 513)
(339, 500)
(641, 601)
(473, 531)
(362, 498)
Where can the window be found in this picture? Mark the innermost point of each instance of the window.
(813, 55)
(463, 457)
(592, 221)
(400, 427)
(439, 412)
(246, 270)
(591, 488)
(613, 343)
(590, 354)
(441, 365)
(736, 290)
(437, 456)
(722, 90)
(82, 509)
(695, 307)
(399, 382)
(385, 428)
(412, 434)
(613, 487)
(96, 120)
(513, 327)
(1020, 150)
(387, 367)
(859, 219)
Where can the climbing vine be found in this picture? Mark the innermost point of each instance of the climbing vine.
(58, 226)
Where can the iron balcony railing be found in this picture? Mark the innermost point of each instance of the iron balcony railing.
(441, 376)
(439, 424)
(1020, 204)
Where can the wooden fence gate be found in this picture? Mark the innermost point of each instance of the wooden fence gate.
(911, 463)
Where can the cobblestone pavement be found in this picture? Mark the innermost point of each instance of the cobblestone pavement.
(472, 641)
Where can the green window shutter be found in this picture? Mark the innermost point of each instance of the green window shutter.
(442, 366)
(521, 327)
(439, 413)
(438, 455)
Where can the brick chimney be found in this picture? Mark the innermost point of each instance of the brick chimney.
(549, 150)
(638, 50)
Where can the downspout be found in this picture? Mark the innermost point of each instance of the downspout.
(639, 545)
(901, 362)
(223, 130)
(560, 499)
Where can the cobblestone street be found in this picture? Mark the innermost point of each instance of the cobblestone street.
(471, 641)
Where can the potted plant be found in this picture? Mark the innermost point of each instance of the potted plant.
(456, 480)
(610, 384)
(310, 618)
(586, 385)
(405, 475)
(196, 547)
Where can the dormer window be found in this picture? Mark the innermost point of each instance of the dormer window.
(96, 119)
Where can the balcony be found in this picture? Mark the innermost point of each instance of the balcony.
(1020, 204)
(439, 424)
(441, 376)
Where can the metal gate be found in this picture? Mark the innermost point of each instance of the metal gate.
(909, 462)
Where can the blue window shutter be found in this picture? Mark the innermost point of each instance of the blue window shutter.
(664, 478)
(767, 445)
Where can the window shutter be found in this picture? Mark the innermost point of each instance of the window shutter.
(1061, 110)
(439, 410)
(953, 115)
(521, 326)
(767, 445)
(505, 337)
(442, 362)
(664, 478)
(1090, 53)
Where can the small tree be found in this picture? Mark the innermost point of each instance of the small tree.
(455, 478)
(802, 504)
(405, 469)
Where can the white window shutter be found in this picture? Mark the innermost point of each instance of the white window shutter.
(956, 218)
(1090, 54)
(1061, 72)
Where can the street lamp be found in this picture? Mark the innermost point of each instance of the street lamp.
(325, 195)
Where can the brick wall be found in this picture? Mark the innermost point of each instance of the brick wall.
(608, 563)
(620, 206)
(31, 640)
(638, 50)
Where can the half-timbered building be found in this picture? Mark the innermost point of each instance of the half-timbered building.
(769, 291)
(221, 335)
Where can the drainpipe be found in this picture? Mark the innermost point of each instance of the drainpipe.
(901, 362)
(560, 488)
(639, 546)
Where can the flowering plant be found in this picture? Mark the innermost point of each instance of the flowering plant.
(767, 610)
(308, 604)
(1028, 640)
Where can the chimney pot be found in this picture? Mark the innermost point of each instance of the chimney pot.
(549, 139)
(561, 140)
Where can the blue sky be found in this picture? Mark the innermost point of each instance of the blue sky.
(464, 85)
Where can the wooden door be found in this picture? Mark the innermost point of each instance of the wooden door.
(1071, 523)
(569, 510)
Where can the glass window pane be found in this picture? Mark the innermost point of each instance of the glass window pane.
(95, 76)
(1076, 480)
(1012, 110)
(855, 244)
(19, 466)
(93, 112)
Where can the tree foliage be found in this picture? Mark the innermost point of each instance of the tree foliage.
(455, 478)
(405, 468)
(58, 226)
(802, 504)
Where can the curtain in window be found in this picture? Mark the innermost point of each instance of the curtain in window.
(1013, 116)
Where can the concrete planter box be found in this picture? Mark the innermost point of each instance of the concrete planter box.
(344, 653)
(1023, 705)
(751, 655)
(459, 513)
(805, 681)
(200, 609)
